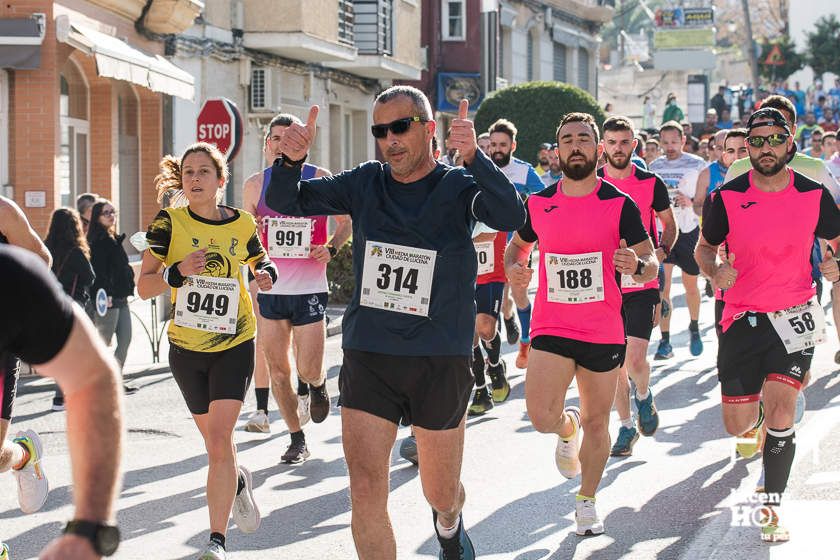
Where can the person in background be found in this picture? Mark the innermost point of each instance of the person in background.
(542, 157)
(84, 203)
(672, 110)
(115, 276)
(718, 100)
(652, 150)
(648, 113)
(71, 265)
(815, 150)
(829, 121)
(725, 119)
(483, 141)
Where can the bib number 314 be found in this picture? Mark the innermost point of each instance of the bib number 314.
(397, 278)
(800, 326)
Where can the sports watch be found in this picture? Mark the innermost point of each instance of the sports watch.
(104, 538)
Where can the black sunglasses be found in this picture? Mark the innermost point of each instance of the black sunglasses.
(399, 126)
(774, 140)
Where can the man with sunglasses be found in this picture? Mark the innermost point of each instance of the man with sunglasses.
(771, 319)
(408, 331)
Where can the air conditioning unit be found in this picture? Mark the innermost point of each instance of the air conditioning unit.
(260, 90)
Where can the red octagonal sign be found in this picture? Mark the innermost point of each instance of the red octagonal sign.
(220, 123)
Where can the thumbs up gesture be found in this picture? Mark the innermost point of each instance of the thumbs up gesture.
(625, 259)
(828, 266)
(463, 134)
(726, 273)
(298, 138)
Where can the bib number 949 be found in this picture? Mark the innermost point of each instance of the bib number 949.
(210, 304)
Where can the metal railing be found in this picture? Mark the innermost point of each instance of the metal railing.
(346, 22)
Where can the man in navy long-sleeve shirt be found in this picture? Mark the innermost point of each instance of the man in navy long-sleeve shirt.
(408, 329)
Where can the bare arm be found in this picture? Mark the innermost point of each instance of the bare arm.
(706, 256)
(645, 253)
(16, 228)
(251, 191)
(484, 237)
(150, 283)
(516, 262)
(669, 233)
(700, 192)
(343, 230)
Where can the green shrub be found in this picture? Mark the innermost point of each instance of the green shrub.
(340, 279)
(536, 109)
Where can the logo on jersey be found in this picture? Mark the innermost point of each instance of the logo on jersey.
(748, 204)
(550, 208)
(217, 265)
(233, 243)
(195, 241)
(313, 300)
(213, 243)
(376, 251)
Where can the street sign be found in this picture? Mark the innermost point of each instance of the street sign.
(775, 57)
(219, 123)
(101, 302)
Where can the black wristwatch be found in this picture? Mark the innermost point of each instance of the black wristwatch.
(104, 538)
(640, 267)
(333, 251)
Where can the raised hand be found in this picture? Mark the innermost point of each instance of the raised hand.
(298, 138)
(625, 259)
(519, 275)
(462, 136)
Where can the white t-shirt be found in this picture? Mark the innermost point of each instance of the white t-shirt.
(680, 175)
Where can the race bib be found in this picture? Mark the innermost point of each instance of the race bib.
(628, 282)
(208, 304)
(485, 254)
(574, 278)
(397, 278)
(289, 238)
(800, 326)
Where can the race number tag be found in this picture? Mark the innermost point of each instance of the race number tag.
(800, 326)
(574, 278)
(485, 253)
(628, 282)
(208, 304)
(289, 238)
(397, 278)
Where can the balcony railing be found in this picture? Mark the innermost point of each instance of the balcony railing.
(345, 21)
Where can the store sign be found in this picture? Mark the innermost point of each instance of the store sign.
(453, 87)
(684, 17)
(668, 39)
(219, 123)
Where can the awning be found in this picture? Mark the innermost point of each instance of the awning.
(20, 42)
(117, 59)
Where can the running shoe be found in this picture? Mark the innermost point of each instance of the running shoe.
(696, 345)
(800, 408)
(665, 351)
(408, 450)
(32, 483)
(213, 551)
(512, 330)
(295, 453)
(319, 403)
(566, 456)
(130, 389)
(459, 547)
(499, 382)
(246, 514)
(522, 357)
(303, 410)
(482, 402)
(4, 552)
(57, 406)
(648, 417)
(258, 423)
(771, 530)
(587, 520)
(623, 446)
(749, 444)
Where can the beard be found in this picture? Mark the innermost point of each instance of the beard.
(577, 171)
(777, 165)
(615, 163)
(501, 159)
(544, 162)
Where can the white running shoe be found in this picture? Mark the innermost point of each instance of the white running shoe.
(566, 456)
(214, 551)
(32, 482)
(258, 423)
(587, 519)
(246, 514)
(303, 410)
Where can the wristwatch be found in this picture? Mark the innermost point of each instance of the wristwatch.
(333, 251)
(640, 267)
(104, 538)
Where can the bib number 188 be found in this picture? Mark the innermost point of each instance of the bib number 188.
(572, 279)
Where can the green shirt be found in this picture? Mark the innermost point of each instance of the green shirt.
(813, 168)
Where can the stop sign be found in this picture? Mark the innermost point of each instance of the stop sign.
(220, 123)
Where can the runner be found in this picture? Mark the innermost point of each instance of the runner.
(771, 319)
(680, 170)
(483, 141)
(553, 174)
(589, 233)
(527, 181)
(639, 301)
(409, 327)
(42, 326)
(733, 147)
(295, 306)
(197, 252)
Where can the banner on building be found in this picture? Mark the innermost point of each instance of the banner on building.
(452, 87)
(684, 17)
(668, 39)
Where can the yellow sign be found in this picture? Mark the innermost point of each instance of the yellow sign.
(775, 57)
(668, 39)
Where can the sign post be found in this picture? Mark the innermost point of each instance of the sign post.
(219, 123)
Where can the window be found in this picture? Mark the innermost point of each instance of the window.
(529, 58)
(559, 62)
(454, 20)
(73, 169)
(373, 26)
(583, 69)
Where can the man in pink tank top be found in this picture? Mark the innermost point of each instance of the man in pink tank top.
(590, 233)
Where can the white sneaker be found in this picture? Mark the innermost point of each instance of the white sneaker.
(258, 422)
(32, 482)
(246, 514)
(303, 410)
(587, 519)
(566, 456)
(214, 551)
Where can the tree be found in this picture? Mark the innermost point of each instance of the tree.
(791, 61)
(536, 109)
(823, 52)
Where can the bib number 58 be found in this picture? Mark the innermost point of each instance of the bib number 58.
(802, 323)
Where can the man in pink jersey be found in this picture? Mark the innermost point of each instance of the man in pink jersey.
(295, 306)
(771, 320)
(590, 233)
(650, 194)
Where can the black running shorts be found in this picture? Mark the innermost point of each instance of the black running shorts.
(682, 253)
(9, 371)
(430, 392)
(639, 309)
(204, 377)
(748, 355)
(299, 309)
(718, 316)
(599, 358)
(488, 298)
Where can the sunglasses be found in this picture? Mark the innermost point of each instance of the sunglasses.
(774, 140)
(399, 126)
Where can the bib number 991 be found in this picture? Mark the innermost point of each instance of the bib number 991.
(210, 304)
(290, 238)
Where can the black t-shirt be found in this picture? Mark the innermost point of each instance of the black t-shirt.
(37, 315)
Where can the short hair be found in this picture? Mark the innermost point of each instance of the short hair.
(417, 97)
(618, 123)
(652, 141)
(505, 126)
(672, 125)
(735, 133)
(483, 135)
(585, 118)
(780, 103)
(434, 144)
(283, 119)
(85, 201)
(830, 134)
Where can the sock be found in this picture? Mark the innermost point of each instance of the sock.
(262, 398)
(779, 449)
(627, 422)
(640, 396)
(446, 532)
(478, 367)
(493, 349)
(303, 388)
(218, 538)
(240, 485)
(297, 437)
(666, 337)
(693, 326)
(525, 323)
(20, 460)
(581, 497)
(574, 424)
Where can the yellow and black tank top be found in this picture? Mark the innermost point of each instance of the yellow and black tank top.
(230, 243)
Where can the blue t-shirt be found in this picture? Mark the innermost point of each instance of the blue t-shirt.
(523, 176)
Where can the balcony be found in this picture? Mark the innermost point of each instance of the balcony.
(163, 16)
(598, 11)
